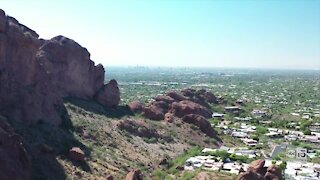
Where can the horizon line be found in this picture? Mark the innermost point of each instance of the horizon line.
(211, 67)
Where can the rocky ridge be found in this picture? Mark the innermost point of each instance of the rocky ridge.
(190, 105)
(35, 77)
(35, 74)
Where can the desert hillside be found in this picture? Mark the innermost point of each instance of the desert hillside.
(60, 121)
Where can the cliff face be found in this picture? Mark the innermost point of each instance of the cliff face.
(69, 68)
(35, 74)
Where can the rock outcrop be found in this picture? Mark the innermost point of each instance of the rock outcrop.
(69, 68)
(109, 94)
(76, 154)
(25, 91)
(257, 171)
(135, 106)
(35, 74)
(191, 105)
(201, 122)
(186, 107)
(15, 162)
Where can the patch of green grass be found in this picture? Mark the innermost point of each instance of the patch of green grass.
(180, 160)
(150, 140)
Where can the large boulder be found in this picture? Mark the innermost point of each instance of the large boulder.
(185, 107)
(201, 122)
(206, 96)
(153, 112)
(109, 94)
(76, 154)
(273, 173)
(166, 99)
(250, 175)
(15, 162)
(188, 92)
(135, 106)
(70, 69)
(176, 96)
(257, 171)
(156, 110)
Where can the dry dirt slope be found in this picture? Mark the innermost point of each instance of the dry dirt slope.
(114, 141)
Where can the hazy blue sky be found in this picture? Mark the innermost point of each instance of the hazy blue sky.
(208, 33)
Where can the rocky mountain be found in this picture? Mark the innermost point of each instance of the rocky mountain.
(35, 74)
(58, 120)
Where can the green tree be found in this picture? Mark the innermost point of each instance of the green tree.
(306, 132)
(283, 166)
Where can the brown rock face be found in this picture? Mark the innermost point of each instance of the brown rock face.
(134, 175)
(185, 107)
(250, 175)
(36, 74)
(76, 154)
(156, 110)
(201, 122)
(191, 105)
(153, 112)
(166, 99)
(3, 23)
(273, 173)
(259, 172)
(135, 106)
(176, 96)
(70, 69)
(15, 162)
(109, 94)
(25, 91)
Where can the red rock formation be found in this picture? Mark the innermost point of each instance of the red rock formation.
(135, 106)
(153, 112)
(156, 110)
(25, 91)
(76, 154)
(273, 173)
(201, 122)
(257, 171)
(176, 96)
(109, 94)
(166, 99)
(36, 74)
(188, 92)
(15, 162)
(189, 104)
(185, 107)
(134, 175)
(70, 69)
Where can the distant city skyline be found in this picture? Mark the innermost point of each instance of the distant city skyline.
(268, 34)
